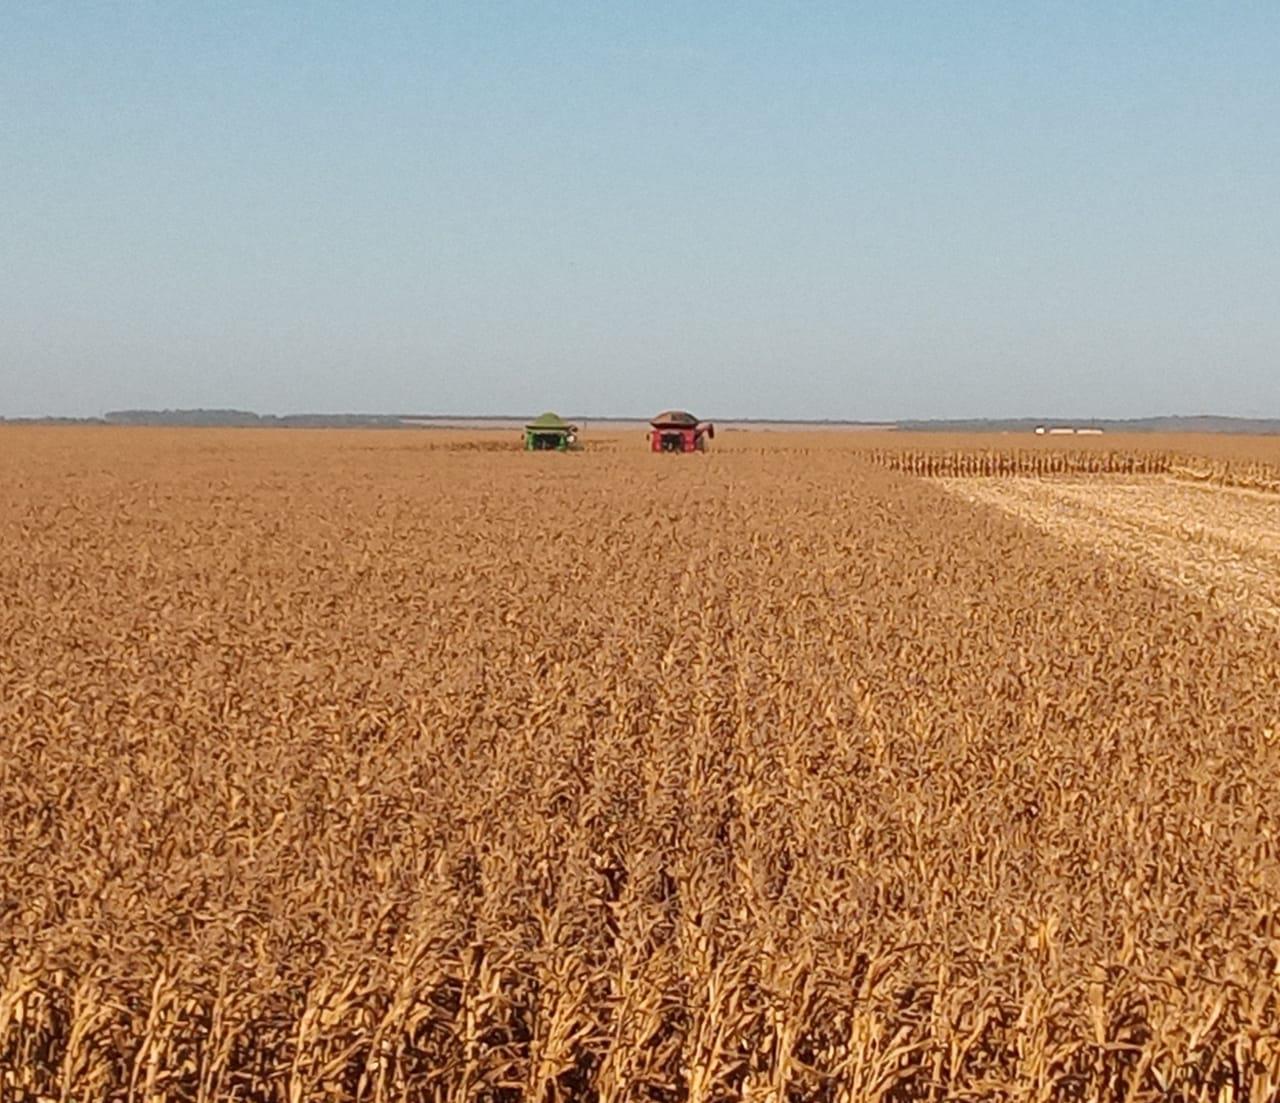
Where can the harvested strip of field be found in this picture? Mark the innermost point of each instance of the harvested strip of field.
(1218, 543)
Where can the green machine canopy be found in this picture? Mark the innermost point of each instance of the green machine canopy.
(550, 423)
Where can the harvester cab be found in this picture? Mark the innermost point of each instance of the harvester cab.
(550, 433)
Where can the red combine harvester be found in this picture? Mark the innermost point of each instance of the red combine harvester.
(679, 431)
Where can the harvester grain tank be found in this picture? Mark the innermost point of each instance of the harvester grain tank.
(550, 433)
(679, 431)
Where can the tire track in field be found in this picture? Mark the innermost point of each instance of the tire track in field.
(1220, 544)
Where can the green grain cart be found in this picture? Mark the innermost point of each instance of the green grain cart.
(550, 433)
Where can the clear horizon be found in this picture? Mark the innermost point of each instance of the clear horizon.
(899, 212)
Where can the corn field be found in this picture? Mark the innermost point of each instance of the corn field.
(395, 766)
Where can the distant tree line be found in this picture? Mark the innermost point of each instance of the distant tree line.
(1198, 423)
(222, 419)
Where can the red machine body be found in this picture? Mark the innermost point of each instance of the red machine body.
(679, 431)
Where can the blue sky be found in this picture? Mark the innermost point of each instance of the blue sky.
(801, 210)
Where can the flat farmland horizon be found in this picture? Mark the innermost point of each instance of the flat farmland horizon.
(826, 765)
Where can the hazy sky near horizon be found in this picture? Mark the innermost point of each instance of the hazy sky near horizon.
(872, 210)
